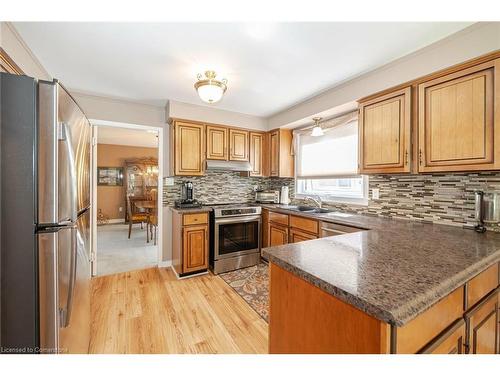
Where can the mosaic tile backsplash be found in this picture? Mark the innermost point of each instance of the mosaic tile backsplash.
(222, 187)
(445, 198)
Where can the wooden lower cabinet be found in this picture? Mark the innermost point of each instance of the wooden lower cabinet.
(450, 342)
(483, 326)
(190, 246)
(195, 248)
(299, 236)
(277, 234)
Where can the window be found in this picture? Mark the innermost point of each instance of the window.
(327, 165)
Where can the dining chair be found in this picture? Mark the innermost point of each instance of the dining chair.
(152, 224)
(134, 217)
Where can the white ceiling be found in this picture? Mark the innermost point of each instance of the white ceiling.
(126, 137)
(269, 66)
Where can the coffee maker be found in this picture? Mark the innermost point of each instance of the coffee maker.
(187, 197)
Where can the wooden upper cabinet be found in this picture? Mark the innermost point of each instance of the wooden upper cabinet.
(257, 151)
(217, 140)
(195, 248)
(457, 118)
(281, 157)
(238, 145)
(385, 133)
(188, 146)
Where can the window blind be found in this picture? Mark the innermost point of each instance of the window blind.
(333, 154)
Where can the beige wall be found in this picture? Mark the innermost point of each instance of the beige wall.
(18, 51)
(214, 115)
(471, 42)
(111, 198)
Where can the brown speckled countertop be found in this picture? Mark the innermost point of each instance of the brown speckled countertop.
(192, 210)
(395, 269)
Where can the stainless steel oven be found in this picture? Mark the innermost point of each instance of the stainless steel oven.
(236, 237)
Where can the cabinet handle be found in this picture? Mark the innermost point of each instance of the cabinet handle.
(420, 156)
(406, 157)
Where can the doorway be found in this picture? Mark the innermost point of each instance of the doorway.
(127, 197)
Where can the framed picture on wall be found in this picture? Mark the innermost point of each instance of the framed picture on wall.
(110, 176)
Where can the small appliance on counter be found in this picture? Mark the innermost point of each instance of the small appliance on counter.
(187, 197)
(285, 199)
(267, 196)
(487, 209)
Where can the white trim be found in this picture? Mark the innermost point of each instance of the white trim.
(95, 124)
(165, 264)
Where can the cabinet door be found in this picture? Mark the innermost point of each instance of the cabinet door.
(189, 149)
(217, 142)
(278, 235)
(256, 154)
(384, 133)
(238, 145)
(299, 236)
(483, 326)
(452, 341)
(195, 248)
(456, 121)
(275, 156)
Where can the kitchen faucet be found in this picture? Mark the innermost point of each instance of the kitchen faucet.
(316, 200)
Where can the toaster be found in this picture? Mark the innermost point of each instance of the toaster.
(267, 196)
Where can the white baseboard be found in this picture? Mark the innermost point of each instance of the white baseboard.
(165, 263)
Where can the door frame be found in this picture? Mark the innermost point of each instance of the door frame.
(95, 128)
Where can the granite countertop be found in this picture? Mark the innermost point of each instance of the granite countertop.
(192, 210)
(394, 270)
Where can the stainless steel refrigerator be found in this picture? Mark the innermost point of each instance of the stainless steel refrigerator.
(45, 142)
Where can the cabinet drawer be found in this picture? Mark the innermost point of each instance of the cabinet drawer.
(452, 341)
(416, 334)
(192, 219)
(307, 225)
(299, 236)
(481, 285)
(278, 218)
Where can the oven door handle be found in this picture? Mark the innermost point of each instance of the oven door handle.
(236, 219)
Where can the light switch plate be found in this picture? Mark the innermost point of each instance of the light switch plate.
(169, 181)
(375, 193)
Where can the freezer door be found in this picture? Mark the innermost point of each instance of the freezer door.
(63, 156)
(64, 288)
(74, 289)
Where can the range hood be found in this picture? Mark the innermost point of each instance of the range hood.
(222, 165)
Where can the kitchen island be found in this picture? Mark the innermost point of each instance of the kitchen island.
(396, 287)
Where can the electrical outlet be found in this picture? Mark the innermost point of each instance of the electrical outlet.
(375, 193)
(120, 209)
(169, 181)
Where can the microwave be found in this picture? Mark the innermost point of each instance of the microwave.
(268, 196)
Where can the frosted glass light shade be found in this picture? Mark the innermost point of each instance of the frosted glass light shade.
(317, 131)
(210, 93)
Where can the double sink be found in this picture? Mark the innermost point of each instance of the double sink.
(314, 210)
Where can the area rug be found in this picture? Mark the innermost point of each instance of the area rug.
(251, 283)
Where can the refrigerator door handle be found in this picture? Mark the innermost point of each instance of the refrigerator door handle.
(65, 138)
(66, 312)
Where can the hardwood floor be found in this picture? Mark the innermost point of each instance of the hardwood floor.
(150, 311)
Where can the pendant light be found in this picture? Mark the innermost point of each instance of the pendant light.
(209, 89)
(316, 130)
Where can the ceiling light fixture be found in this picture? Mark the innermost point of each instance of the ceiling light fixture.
(317, 131)
(209, 89)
